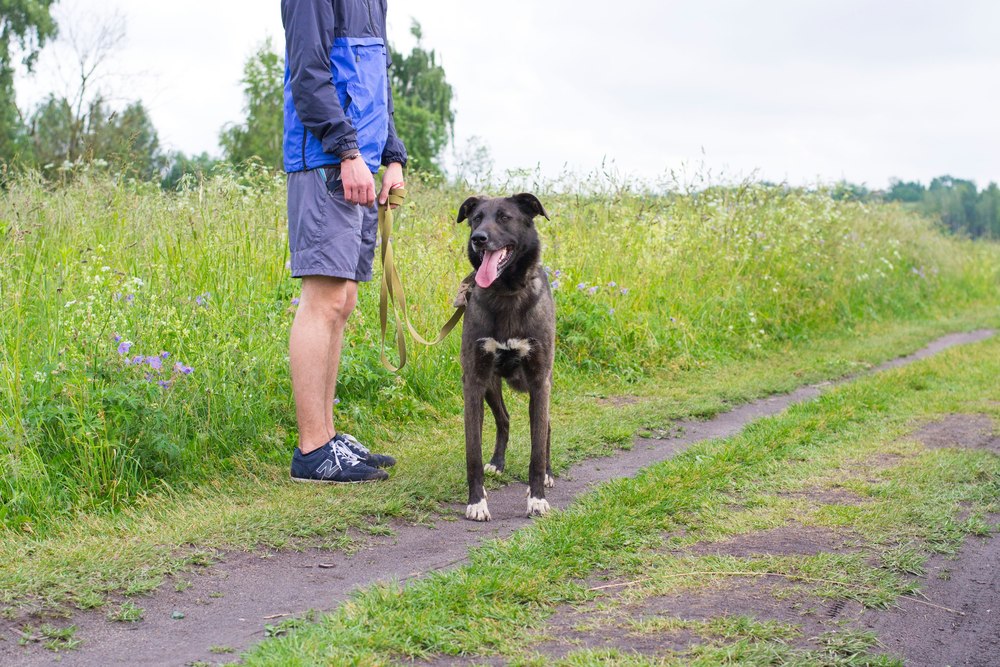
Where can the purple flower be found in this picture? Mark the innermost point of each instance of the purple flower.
(164, 384)
(155, 363)
(624, 291)
(138, 359)
(117, 296)
(129, 298)
(295, 301)
(555, 284)
(124, 347)
(611, 311)
(581, 286)
(593, 290)
(558, 273)
(200, 300)
(336, 401)
(612, 284)
(164, 355)
(118, 338)
(181, 368)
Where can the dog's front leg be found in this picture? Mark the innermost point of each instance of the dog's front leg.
(477, 509)
(538, 411)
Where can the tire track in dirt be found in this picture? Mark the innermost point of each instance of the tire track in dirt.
(231, 603)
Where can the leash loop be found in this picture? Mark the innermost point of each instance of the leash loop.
(391, 292)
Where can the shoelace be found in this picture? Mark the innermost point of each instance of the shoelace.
(357, 445)
(344, 453)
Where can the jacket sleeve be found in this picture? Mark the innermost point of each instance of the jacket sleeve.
(394, 150)
(309, 33)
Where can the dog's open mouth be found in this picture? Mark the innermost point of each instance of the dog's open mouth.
(492, 265)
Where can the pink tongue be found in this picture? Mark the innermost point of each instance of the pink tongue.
(487, 272)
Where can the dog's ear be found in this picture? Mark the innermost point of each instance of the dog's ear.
(529, 203)
(465, 210)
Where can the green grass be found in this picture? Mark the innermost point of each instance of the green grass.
(683, 303)
(911, 505)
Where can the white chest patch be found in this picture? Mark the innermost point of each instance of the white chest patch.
(521, 346)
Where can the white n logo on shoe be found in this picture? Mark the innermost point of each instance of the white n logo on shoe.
(328, 468)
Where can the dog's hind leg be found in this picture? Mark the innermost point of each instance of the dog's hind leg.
(494, 399)
(538, 411)
(476, 509)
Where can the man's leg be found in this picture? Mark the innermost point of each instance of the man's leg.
(336, 344)
(314, 354)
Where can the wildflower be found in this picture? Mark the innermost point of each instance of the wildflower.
(138, 359)
(129, 298)
(555, 284)
(612, 284)
(557, 273)
(164, 355)
(611, 311)
(181, 368)
(336, 401)
(155, 363)
(164, 384)
(581, 286)
(117, 338)
(117, 296)
(623, 291)
(592, 290)
(295, 301)
(673, 319)
(39, 376)
(124, 346)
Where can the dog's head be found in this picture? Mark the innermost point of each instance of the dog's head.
(503, 241)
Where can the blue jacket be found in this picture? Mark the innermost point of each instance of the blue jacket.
(337, 96)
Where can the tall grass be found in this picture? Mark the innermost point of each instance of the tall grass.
(144, 334)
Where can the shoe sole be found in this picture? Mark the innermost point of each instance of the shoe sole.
(302, 480)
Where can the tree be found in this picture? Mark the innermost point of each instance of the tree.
(422, 98)
(26, 25)
(263, 90)
(178, 166)
(127, 139)
(80, 124)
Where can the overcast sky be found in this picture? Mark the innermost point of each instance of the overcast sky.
(792, 90)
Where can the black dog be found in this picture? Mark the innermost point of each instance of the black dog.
(509, 333)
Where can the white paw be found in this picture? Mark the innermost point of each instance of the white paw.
(490, 469)
(537, 506)
(550, 481)
(478, 512)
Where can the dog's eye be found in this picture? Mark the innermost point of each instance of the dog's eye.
(502, 217)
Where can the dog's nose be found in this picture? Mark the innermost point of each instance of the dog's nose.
(479, 238)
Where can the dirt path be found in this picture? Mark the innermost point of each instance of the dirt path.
(232, 602)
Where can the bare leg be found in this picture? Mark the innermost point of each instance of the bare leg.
(314, 354)
(336, 344)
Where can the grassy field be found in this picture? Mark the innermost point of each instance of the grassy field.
(144, 395)
(904, 502)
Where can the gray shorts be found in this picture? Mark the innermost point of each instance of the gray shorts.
(326, 235)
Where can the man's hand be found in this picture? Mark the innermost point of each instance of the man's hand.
(392, 178)
(359, 184)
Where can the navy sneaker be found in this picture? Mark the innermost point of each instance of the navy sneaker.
(363, 453)
(333, 462)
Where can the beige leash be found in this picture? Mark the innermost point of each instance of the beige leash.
(392, 289)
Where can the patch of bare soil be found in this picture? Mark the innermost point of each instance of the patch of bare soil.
(963, 628)
(790, 540)
(233, 601)
(960, 430)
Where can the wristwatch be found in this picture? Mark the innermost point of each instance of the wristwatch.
(350, 155)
